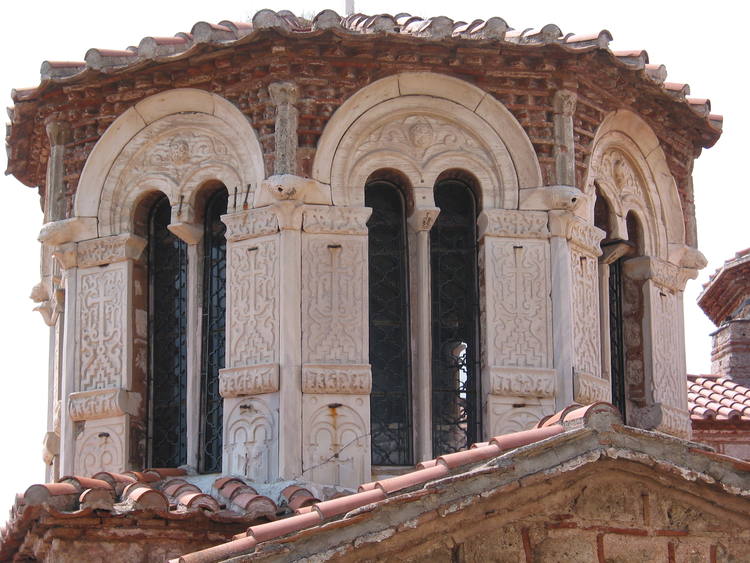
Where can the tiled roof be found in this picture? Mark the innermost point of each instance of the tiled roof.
(371, 495)
(728, 289)
(440, 28)
(166, 493)
(713, 397)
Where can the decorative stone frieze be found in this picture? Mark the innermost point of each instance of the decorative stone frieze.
(102, 403)
(513, 224)
(108, 250)
(522, 382)
(336, 378)
(251, 223)
(663, 273)
(590, 389)
(249, 380)
(320, 219)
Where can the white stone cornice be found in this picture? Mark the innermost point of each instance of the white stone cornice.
(513, 224)
(68, 230)
(660, 272)
(423, 218)
(323, 219)
(109, 250)
(249, 380)
(251, 223)
(589, 389)
(337, 379)
(522, 381)
(102, 403)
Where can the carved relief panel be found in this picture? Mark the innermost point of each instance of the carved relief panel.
(586, 337)
(251, 437)
(102, 446)
(336, 443)
(103, 328)
(512, 414)
(334, 299)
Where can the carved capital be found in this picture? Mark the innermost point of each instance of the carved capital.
(589, 389)
(109, 250)
(513, 224)
(289, 215)
(327, 219)
(522, 382)
(102, 403)
(67, 230)
(423, 218)
(337, 379)
(249, 380)
(660, 272)
(283, 93)
(66, 255)
(190, 233)
(582, 235)
(250, 223)
(564, 102)
(58, 132)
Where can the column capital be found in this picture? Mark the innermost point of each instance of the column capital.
(328, 219)
(661, 272)
(564, 102)
(581, 234)
(109, 250)
(423, 218)
(58, 132)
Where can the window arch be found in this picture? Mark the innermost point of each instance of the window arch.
(167, 276)
(390, 399)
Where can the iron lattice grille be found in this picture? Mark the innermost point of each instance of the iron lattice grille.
(214, 316)
(453, 263)
(390, 412)
(167, 271)
(616, 336)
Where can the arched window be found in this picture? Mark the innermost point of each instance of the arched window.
(213, 330)
(167, 274)
(455, 306)
(390, 400)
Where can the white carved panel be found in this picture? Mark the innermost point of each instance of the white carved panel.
(514, 414)
(250, 223)
(522, 382)
(336, 443)
(321, 219)
(334, 299)
(102, 446)
(102, 403)
(249, 380)
(669, 383)
(253, 302)
(586, 337)
(103, 327)
(517, 302)
(589, 389)
(336, 378)
(251, 437)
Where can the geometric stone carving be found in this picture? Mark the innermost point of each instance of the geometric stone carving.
(589, 389)
(513, 224)
(250, 430)
(522, 382)
(102, 403)
(334, 299)
(107, 250)
(320, 219)
(102, 327)
(336, 447)
(675, 422)
(102, 445)
(335, 378)
(253, 302)
(249, 380)
(250, 223)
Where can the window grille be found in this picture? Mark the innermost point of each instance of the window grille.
(616, 335)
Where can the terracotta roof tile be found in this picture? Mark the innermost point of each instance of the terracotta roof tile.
(713, 397)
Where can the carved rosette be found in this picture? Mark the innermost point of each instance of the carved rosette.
(325, 219)
(102, 403)
(249, 380)
(333, 378)
(589, 389)
(523, 382)
(108, 250)
(513, 224)
(250, 223)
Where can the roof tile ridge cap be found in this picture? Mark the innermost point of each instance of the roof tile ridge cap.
(344, 504)
(514, 440)
(284, 526)
(412, 478)
(241, 546)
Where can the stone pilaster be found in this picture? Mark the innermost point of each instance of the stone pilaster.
(516, 311)
(575, 296)
(336, 375)
(662, 289)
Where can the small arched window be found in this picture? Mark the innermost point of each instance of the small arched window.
(167, 274)
(455, 314)
(390, 399)
(213, 331)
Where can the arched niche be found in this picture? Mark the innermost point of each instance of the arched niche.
(630, 169)
(422, 124)
(173, 142)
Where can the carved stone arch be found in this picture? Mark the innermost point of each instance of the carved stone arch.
(172, 142)
(627, 142)
(434, 121)
(250, 447)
